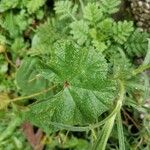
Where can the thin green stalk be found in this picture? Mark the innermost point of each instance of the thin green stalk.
(9, 130)
(147, 57)
(104, 135)
(82, 5)
(120, 132)
(72, 17)
(32, 95)
(140, 69)
(107, 128)
(145, 65)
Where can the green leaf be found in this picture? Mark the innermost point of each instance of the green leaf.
(14, 24)
(147, 57)
(65, 9)
(79, 30)
(110, 6)
(15, 122)
(34, 5)
(105, 26)
(42, 42)
(137, 44)
(122, 66)
(6, 5)
(104, 135)
(3, 39)
(120, 132)
(122, 30)
(93, 13)
(100, 46)
(18, 45)
(86, 92)
(29, 79)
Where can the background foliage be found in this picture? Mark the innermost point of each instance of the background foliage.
(75, 74)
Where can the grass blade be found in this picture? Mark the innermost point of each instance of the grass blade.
(120, 132)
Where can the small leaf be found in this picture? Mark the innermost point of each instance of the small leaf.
(2, 48)
(93, 13)
(147, 57)
(110, 6)
(29, 79)
(65, 9)
(79, 30)
(15, 24)
(100, 46)
(121, 31)
(6, 5)
(34, 5)
(137, 44)
(4, 100)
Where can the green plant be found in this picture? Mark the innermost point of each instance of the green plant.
(79, 70)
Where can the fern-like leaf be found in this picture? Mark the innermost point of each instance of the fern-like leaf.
(14, 24)
(79, 30)
(121, 31)
(34, 5)
(100, 46)
(65, 9)
(93, 13)
(137, 44)
(110, 6)
(6, 5)
(42, 42)
(122, 67)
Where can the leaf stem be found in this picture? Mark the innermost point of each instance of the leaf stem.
(72, 17)
(11, 127)
(107, 128)
(104, 134)
(120, 132)
(82, 5)
(32, 95)
(9, 61)
(140, 69)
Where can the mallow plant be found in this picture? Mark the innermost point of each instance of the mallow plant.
(79, 72)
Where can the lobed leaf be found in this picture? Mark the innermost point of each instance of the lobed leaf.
(85, 94)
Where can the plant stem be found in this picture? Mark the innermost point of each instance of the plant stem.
(140, 69)
(82, 5)
(72, 17)
(32, 95)
(120, 132)
(9, 61)
(104, 135)
(107, 128)
(11, 127)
